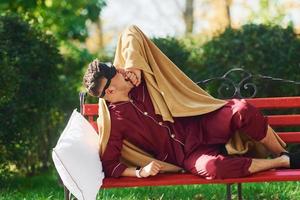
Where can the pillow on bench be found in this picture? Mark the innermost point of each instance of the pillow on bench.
(76, 158)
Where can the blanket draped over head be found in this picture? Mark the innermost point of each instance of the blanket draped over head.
(173, 94)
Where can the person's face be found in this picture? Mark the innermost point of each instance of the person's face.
(118, 84)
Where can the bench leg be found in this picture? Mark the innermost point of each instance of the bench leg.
(228, 191)
(240, 195)
(67, 193)
(74, 198)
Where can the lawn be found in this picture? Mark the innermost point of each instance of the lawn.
(46, 187)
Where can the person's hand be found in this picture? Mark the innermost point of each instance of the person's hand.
(120, 70)
(151, 169)
(125, 74)
(134, 75)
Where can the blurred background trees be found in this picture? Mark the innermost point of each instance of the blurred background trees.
(30, 69)
(45, 46)
(42, 56)
(66, 20)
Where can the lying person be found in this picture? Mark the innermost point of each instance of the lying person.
(195, 143)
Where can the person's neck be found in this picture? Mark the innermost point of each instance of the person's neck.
(121, 99)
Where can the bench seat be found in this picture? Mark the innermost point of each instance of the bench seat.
(273, 175)
(187, 179)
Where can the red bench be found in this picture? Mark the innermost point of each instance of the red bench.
(91, 112)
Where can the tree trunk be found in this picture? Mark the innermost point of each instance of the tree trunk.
(228, 3)
(100, 28)
(189, 16)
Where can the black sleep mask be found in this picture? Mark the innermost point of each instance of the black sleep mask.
(108, 72)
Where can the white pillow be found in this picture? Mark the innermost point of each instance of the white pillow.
(76, 158)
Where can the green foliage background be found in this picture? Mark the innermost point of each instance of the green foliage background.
(42, 60)
(29, 67)
(64, 19)
(259, 49)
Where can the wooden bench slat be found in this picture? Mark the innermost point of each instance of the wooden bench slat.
(90, 109)
(281, 120)
(275, 102)
(187, 178)
(290, 137)
(94, 124)
(284, 120)
(266, 103)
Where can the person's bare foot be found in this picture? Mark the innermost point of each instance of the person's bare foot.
(285, 160)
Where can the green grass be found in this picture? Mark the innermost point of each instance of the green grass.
(46, 187)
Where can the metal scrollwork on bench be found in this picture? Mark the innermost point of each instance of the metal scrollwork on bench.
(244, 84)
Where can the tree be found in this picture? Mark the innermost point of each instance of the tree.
(65, 19)
(28, 117)
(189, 16)
(227, 4)
(40, 76)
(260, 49)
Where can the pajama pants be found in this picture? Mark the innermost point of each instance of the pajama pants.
(208, 160)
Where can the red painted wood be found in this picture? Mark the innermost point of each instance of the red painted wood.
(261, 103)
(284, 120)
(275, 102)
(187, 179)
(95, 126)
(90, 118)
(290, 137)
(90, 109)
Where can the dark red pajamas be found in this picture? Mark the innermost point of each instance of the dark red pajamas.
(194, 143)
(207, 160)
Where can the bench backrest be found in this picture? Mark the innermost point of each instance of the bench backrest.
(270, 103)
